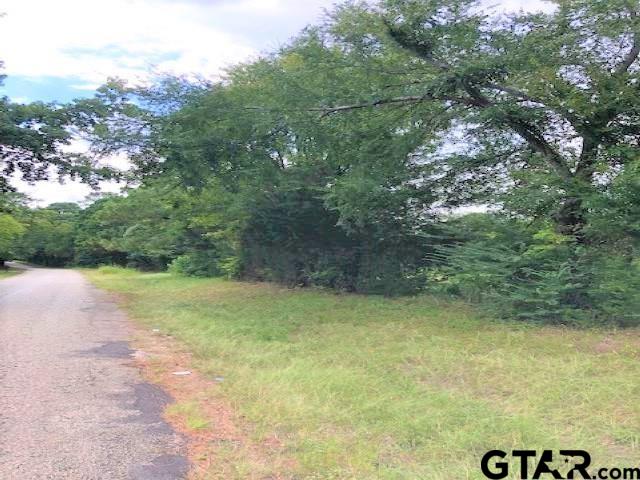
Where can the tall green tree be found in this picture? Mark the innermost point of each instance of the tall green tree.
(536, 112)
(539, 102)
(341, 150)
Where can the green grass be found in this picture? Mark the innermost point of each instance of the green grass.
(9, 272)
(190, 414)
(373, 388)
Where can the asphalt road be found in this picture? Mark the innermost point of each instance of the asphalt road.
(72, 402)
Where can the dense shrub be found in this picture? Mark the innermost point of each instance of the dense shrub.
(292, 237)
(518, 271)
(197, 264)
(10, 231)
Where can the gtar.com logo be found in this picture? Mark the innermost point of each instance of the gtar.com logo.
(531, 465)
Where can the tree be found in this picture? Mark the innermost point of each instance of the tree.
(48, 235)
(534, 112)
(543, 101)
(335, 157)
(153, 226)
(33, 138)
(12, 208)
(10, 230)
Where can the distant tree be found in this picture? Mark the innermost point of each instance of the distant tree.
(12, 209)
(155, 224)
(49, 235)
(69, 209)
(10, 230)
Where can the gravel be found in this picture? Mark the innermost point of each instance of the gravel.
(72, 402)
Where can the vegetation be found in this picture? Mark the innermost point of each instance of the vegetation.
(368, 387)
(7, 272)
(331, 161)
(48, 238)
(34, 141)
(349, 161)
(342, 159)
(11, 229)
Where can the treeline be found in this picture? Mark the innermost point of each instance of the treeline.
(512, 267)
(346, 159)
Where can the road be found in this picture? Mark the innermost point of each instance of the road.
(72, 402)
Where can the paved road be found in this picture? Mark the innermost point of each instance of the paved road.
(72, 404)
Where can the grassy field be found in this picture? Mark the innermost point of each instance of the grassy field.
(416, 388)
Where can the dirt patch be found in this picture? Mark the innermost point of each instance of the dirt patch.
(622, 341)
(606, 345)
(227, 446)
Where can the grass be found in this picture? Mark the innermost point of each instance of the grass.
(414, 388)
(188, 413)
(8, 272)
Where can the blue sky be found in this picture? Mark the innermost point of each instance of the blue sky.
(57, 50)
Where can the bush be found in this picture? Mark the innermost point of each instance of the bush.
(540, 276)
(292, 237)
(197, 264)
(615, 288)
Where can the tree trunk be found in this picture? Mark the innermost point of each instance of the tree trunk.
(570, 218)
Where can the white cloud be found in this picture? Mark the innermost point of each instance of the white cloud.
(269, 7)
(85, 86)
(92, 40)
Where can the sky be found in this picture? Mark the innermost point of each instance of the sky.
(64, 49)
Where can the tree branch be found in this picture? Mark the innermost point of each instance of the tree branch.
(630, 58)
(576, 122)
(387, 101)
(528, 132)
(633, 53)
(424, 49)
(515, 92)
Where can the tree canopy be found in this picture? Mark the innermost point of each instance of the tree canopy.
(345, 159)
(35, 140)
